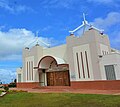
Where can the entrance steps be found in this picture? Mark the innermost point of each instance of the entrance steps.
(53, 87)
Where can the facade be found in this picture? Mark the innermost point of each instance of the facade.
(86, 62)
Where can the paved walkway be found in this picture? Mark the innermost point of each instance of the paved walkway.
(82, 91)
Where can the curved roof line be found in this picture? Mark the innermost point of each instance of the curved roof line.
(58, 60)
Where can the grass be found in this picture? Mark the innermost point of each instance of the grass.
(58, 100)
(0, 91)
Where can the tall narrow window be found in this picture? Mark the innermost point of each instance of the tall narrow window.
(32, 68)
(78, 64)
(82, 65)
(87, 64)
(27, 70)
(19, 77)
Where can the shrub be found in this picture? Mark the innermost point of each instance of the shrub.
(16, 91)
(6, 88)
(12, 85)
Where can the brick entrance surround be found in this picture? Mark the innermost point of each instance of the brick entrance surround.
(93, 85)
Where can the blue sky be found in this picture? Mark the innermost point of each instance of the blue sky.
(21, 19)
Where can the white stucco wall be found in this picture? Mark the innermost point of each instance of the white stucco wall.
(110, 59)
(36, 53)
(30, 70)
(20, 71)
(104, 49)
(91, 42)
(79, 49)
(58, 51)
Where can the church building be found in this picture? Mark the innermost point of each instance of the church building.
(85, 62)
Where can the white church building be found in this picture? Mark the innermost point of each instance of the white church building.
(85, 62)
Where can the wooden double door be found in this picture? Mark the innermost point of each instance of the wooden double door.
(58, 78)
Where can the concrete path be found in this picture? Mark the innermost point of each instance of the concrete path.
(82, 91)
(2, 94)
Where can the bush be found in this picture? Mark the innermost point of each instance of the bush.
(12, 85)
(1, 86)
(16, 91)
(6, 88)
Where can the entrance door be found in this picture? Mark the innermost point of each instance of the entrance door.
(50, 79)
(58, 78)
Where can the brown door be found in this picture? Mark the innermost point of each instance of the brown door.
(66, 78)
(50, 79)
(58, 78)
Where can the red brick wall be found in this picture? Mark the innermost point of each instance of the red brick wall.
(28, 85)
(99, 85)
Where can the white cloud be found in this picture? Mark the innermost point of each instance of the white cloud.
(4, 4)
(59, 3)
(112, 19)
(14, 40)
(7, 75)
(11, 46)
(111, 25)
(115, 39)
(14, 7)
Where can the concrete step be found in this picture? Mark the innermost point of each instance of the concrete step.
(53, 87)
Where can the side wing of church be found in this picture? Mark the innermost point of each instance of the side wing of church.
(86, 62)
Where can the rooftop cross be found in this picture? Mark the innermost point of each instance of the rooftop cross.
(37, 40)
(84, 19)
(83, 16)
(37, 37)
(84, 25)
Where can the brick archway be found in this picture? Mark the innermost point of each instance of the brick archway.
(56, 75)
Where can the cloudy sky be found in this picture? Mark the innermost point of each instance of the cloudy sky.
(21, 19)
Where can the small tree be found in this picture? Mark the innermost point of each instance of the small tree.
(15, 80)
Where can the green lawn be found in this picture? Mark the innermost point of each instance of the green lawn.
(58, 100)
(0, 91)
